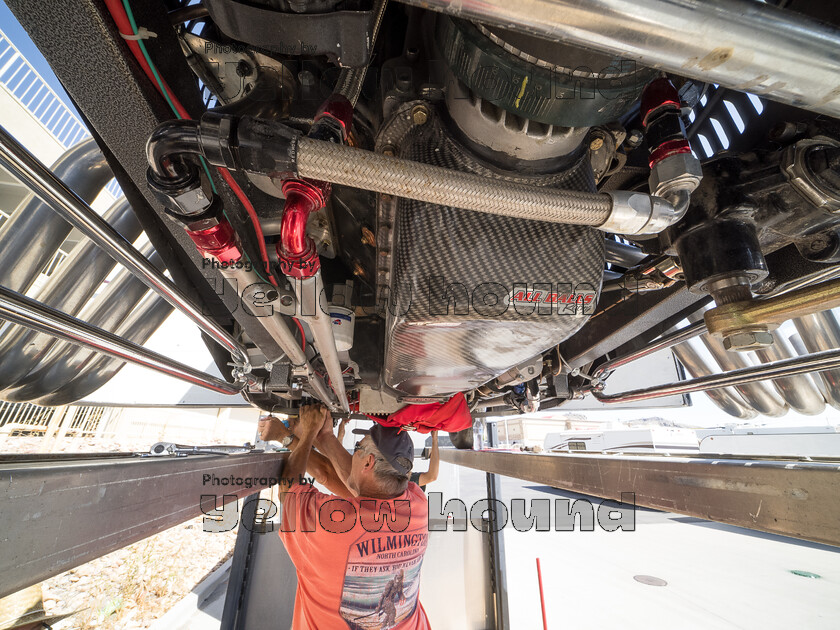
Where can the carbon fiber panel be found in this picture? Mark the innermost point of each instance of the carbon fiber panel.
(474, 294)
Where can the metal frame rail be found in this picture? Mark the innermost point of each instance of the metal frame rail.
(796, 498)
(61, 512)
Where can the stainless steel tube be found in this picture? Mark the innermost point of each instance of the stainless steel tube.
(667, 340)
(798, 391)
(367, 170)
(818, 332)
(312, 304)
(276, 326)
(725, 398)
(27, 312)
(68, 289)
(820, 361)
(98, 370)
(65, 202)
(739, 44)
(34, 232)
(758, 395)
(64, 362)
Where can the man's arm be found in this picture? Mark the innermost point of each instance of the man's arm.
(318, 466)
(341, 460)
(311, 419)
(434, 463)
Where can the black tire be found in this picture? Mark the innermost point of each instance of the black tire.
(462, 439)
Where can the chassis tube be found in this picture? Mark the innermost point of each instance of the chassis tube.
(739, 44)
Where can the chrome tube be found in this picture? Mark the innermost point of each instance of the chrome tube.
(23, 165)
(758, 395)
(739, 44)
(829, 360)
(65, 361)
(818, 332)
(312, 303)
(68, 289)
(276, 326)
(725, 398)
(28, 312)
(798, 391)
(98, 370)
(34, 232)
(667, 340)
(800, 349)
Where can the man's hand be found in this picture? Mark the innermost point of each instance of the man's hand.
(312, 421)
(271, 428)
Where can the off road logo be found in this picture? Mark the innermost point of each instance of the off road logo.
(578, 303)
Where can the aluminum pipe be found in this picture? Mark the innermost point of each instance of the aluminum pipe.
(798, 391)
(28, 312)
(98, 370)
(820, 331)
(68, 289)
(727, 399)
(65, 361)
(34, 232)
(23, 165)
(739, 44)
(312, 302)
(276, 326)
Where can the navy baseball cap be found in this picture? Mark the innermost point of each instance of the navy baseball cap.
(392, 443)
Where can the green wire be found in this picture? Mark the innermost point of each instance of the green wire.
(177, 115)
(160, 85)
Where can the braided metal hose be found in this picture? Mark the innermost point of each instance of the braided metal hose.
(413, 180)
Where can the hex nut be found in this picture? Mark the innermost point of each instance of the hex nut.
(746, 341)
(420, 115)
(681, 171)
(192, 202)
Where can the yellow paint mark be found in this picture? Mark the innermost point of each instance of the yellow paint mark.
(715, 58)
(521, 91)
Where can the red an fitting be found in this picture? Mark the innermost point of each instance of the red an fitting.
(659, 94)
(297, 252)
(298, 256)
(217, 240)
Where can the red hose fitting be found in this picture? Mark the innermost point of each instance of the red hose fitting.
(297, 252)
(216, 239)
(659, 94)
(667, 149)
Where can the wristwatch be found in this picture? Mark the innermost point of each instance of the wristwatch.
(286, 441)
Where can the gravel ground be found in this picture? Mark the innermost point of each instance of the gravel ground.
(131, 587)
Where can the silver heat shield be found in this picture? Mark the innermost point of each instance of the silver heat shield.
(474, 294)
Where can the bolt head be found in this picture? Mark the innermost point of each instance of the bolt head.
(746, 341)
(596, 144)
(420, 115)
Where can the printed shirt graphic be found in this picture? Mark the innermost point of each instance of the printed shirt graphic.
(349, 574)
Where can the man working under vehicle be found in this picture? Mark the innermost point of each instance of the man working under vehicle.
(357, 557)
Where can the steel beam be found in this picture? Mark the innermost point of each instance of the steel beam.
(788, 497)
(60, 513)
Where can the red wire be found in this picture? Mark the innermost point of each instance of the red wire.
(302, 336)
(249, 208)
(117, 11)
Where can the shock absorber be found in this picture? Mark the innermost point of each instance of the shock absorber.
(674, 171)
